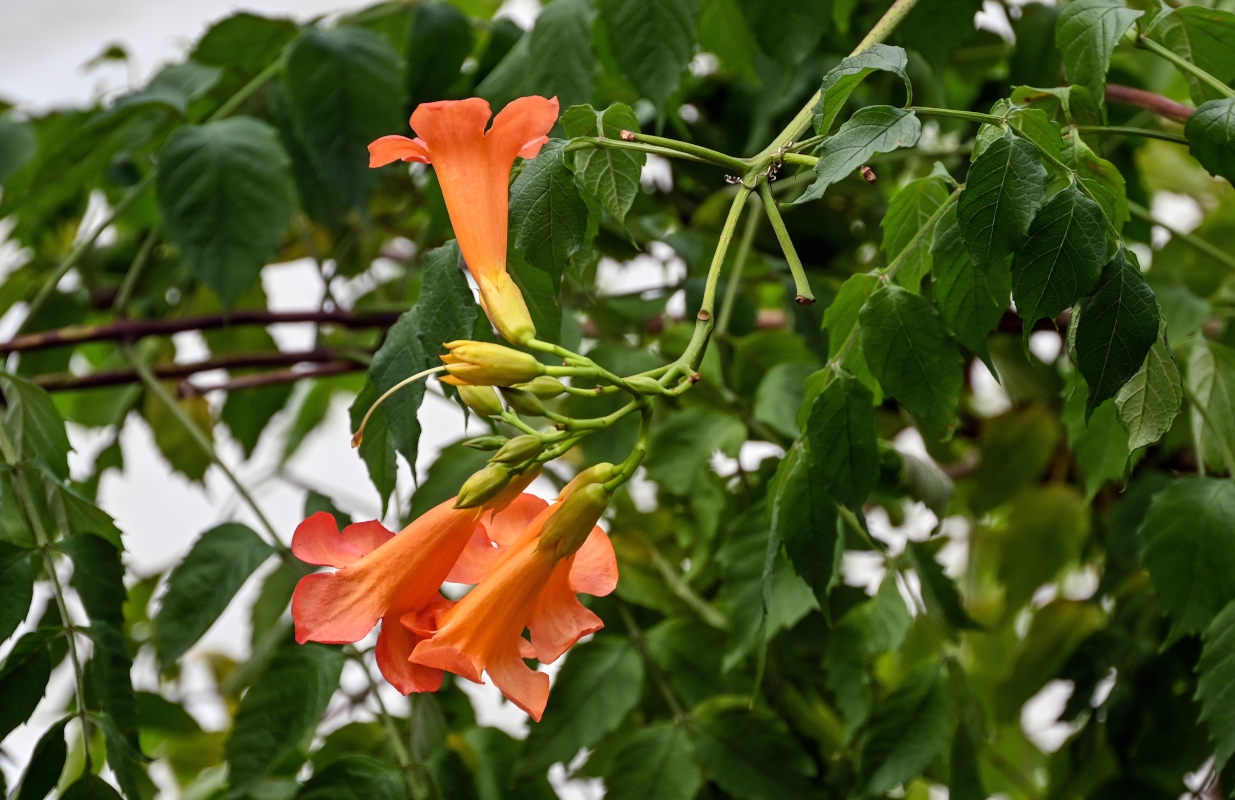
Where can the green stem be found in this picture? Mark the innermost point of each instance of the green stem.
(739, 265)
(1185, 65)
(199, 437)
(1121, 130)
(618, 144)
(920, 237)
(894, 16)
(951, 113)
(691, 149)
(125, 292)
(800, 285)
(627, 468)
(247, 91)
(358, 436)
(1191, 239)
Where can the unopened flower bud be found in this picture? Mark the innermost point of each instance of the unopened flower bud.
(481, 399)
(523, 402)
(544, 387)
(597, 473)
(568, 527)
(645, 384)
(505, 307)
(519, 449)
(483, 485)
(518, 482)
(487, 364)
(486, 442)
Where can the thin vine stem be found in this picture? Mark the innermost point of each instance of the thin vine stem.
(735, 276)
(800, 285)
(1123, 130)
(1185, 65)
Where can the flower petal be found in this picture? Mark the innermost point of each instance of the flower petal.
(507, 525)
(446, 124)
(389, 149)
(333, 609)
(523, 126)
(394, 647)
(595, 569)
(367, 536)
(317, 541)
(432, 653)
(559, 619)
(524, 687)
(475, 560)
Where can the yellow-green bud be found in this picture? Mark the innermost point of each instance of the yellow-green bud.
(645, 384)
(518, 482)
(485, 442)
(523, 402)
(488, 364)
(481, 399)
(519, 449)
(544, 387)
(568, 527)
(483, 485)
(597, 473)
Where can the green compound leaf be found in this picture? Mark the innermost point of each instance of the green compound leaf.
(871, 130)
(908, 212)
(1118, 325)
(913, 358)
(1211, 137)
(971, 300)
(550, 216)
(1086, 33)
(1190, 551)
(226, 193)
(841, 447)
(1005, 186)
(1062, 257)
(842, 79)
(23, 680)
(611, 176)
(1216, 675)
(656, 761)
(202, 586)
(652, 42)
(1149, 402)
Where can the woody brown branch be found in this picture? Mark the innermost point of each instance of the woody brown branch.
(130, 330)
(272, 378)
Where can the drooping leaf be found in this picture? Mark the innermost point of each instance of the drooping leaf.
(842, 79)
(550, 218)
(1190, 551)
(748, 752)
(908, 731)
(1149, 402)
(203, 584)
(804, 519)
(1215, 676)
(34, 425)
(841, 447)
(17, 571)
(1101, 178)
(656, 761)
(1118, 325)
(1086, 33)
(90, 787)
(1062, 257)
(652, 42)
(912, 357)
(610, 176)
(871, 130)
(970, 300)
(1211, 137)
(225, 191)
(23, 680)
(45, 765)
(1005, 186)
(376, 449)
(79, 515)
(909, 210)
(599, 685)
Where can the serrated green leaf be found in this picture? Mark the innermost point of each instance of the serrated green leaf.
(1149, 402)
(842, 79)
(841, 447)
(599, 685)
(344, 89)
(681, 447)
(45, 766)
(1086, 33)
(656, 761)
(1190, 551)
(840, 320)
(354, 777)
(652, 42)
(79, 515)
(748, 752)
(1032, 123)
(550, 218)
(871, 130)
(909, 352)
(1211, 137)
(244, 41)
(17, 571)
(34, 425)
(556, 58)
(970, 300)
(908, 212)
(1203, 36)
(281, 709)
(1004, 189)
(226, 194)
(908, 730)
(1215, 676)
(804, 519)
(439, 41)
(1118, 325)
(203, 584)
(1102, 178)
(611, 176)
(1062, 257)
(23, 680)
(1211, 380)
(124, 757)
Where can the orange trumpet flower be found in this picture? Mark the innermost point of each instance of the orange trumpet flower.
(473, 168)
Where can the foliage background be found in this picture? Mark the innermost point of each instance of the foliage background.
(728, 668)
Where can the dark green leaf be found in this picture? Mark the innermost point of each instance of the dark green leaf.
(1047, 527)
(1118, 325)
(971, 300)
(804, 518)
(345, 89)
(937, 28)
(98, 576)
(682, 445)
(1086, 33)
(16, 589)
(1062, 257)
(1215, 677)
(1190, 551)
(965, 779)
(611, 176)
(907, 732)
(1203, 36)
(174, 87)
(656, 761)
(938, 590)
(225, 190)
(1099, 442)
(1211, 380)
(840, 320)
(779, 396)
(841, 446)
(377, 449)
(1100, 177)
(90, 787)
(1211, 137)
(842, 79)
(1055, 632)
(748, 752)
(124, 757)
(245, 41)
(724, 31)
(912, 357)
(18, 144)
(908, 213)
(46, 764)
(599, 685)
(439, 41)
(550, 218)
(1149, 402)
(1005, 186)
(202, 585)
(1016, 448)
(82, 516)
(1032, 123)
(652, 42)
(354, 777)
(281, 709)
(871, 130)
(34, 424)
(23, 680)
(556, 59)
(788, 30)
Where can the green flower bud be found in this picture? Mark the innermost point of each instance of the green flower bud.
(523, 402)
(481, 399)
(544, 387)
(483, 485)
(645, 384)
(486, 442)
(597, 473)
(519, 449)
(487, 364)
(568, 527)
